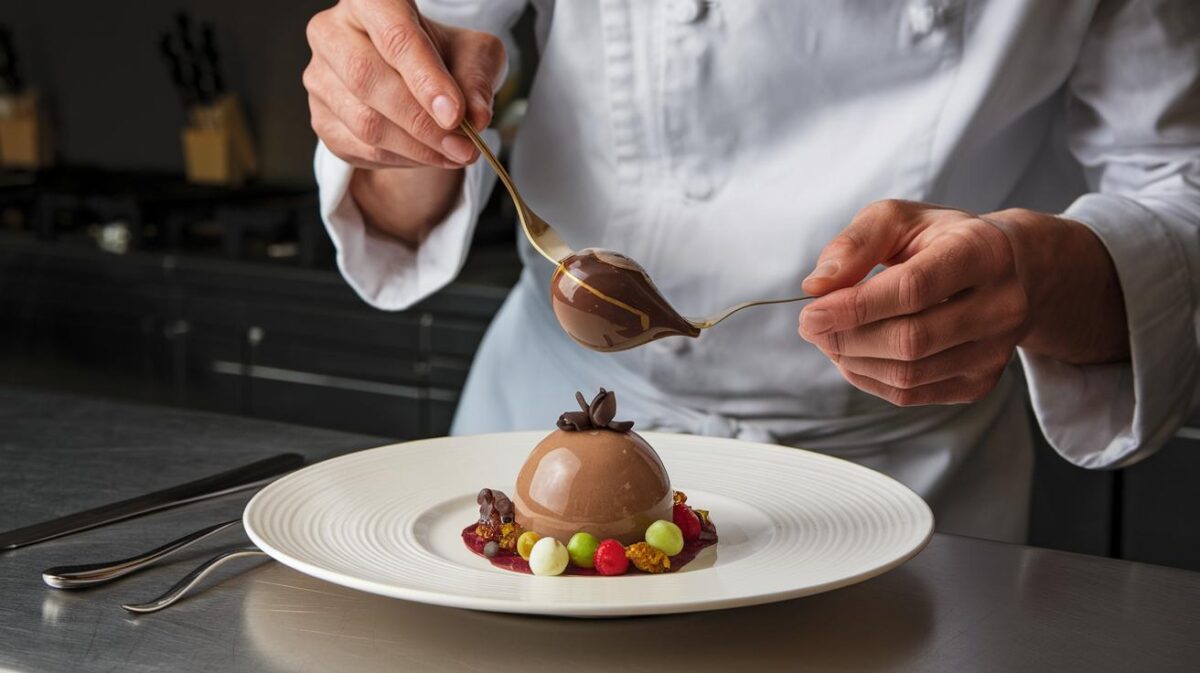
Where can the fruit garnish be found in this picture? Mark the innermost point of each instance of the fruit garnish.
(686, 519)
(548, 557)
(509, 534)
(610, 558)
(487, 531)
(679, 497)
(665, 537)
(648, 559)
(582, 548)
(525, 543)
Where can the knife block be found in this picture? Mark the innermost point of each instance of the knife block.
(217, 146)
(24, 133)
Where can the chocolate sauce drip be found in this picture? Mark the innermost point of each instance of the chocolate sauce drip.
(599, 414)
(605, 301)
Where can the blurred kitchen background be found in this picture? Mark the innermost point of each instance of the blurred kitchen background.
(160, 243)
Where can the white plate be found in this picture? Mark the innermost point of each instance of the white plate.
(387, 521)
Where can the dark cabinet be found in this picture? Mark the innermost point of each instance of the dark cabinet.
(1160, 505)
(1072, 509)
(1147, 512)
(94, 330)
(286, 344)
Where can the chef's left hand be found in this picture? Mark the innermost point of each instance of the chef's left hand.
(960, 293)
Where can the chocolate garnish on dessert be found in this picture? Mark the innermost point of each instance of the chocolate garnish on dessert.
(598, 414)
(494, 507)
(606, 301)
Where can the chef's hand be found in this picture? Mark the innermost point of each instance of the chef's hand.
(387, 87)
(959, 294)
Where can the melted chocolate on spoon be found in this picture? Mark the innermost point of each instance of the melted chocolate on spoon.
(606, 302)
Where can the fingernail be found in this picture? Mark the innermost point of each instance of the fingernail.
(458, 148)
(444, 111)
(824, 270)
(816, 321)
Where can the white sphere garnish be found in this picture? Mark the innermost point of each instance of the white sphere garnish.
(548, 557)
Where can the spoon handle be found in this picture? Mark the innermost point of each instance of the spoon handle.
(79, 576)
(494, 162)
(705, 323)
(541, 235)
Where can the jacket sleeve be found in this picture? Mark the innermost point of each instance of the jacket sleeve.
(1134, 124)
(384, 272)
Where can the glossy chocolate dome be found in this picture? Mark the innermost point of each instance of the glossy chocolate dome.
(610, 484)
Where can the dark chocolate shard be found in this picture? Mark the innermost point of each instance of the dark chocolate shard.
(487, 506)
(494, 507)
(574, 421)
(603, 409)
(504, 508)
(595, 416)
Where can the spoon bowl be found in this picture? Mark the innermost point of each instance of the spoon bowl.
(602, 299)
(606, 301)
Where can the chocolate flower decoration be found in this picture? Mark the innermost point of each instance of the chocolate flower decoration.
(595, 416)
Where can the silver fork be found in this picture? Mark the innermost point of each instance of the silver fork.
(180, 588)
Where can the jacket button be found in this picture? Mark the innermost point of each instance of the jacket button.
(687, 11)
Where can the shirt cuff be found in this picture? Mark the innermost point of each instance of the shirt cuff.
(1112, 415)
(383, 271)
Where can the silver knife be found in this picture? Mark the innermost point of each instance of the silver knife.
(247, 476)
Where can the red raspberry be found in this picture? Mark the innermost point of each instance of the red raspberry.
(687, 521)
(610, 558)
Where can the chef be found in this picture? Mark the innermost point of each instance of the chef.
(998, 200)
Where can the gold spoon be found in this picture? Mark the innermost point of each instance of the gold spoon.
(619, 307)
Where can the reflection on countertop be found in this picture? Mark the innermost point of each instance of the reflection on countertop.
(296, 622)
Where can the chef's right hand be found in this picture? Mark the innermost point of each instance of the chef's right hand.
(387, 88)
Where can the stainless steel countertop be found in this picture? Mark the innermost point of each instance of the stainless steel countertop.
(961, 605)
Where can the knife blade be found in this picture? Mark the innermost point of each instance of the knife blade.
(230, 481)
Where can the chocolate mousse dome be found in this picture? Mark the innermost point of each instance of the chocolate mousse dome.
(595, 475)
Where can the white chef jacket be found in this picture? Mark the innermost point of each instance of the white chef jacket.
(722, 144)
